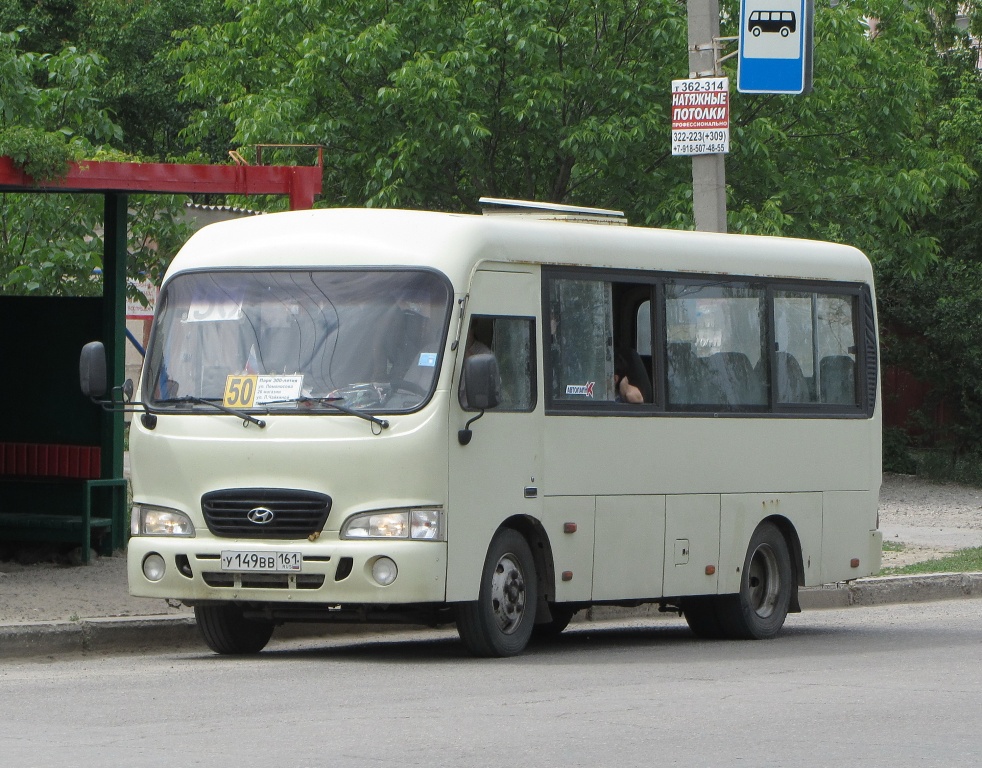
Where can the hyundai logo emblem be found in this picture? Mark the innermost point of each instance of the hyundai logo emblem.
(260, 515)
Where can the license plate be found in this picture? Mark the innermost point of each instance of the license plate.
(262, 562)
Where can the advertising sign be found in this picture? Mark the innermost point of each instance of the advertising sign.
(701, 116)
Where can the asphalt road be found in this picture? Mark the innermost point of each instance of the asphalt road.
(895, 685)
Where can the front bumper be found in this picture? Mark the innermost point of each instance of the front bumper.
(332, 572)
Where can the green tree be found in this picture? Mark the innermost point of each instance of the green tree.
(50, 243)
(141, 88)
(858, 160)
(47, 25)
(433, 104)
(931, 323)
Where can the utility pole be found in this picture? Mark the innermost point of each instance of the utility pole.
(708, 171)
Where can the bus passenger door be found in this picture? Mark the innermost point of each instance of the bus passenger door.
(497, 474)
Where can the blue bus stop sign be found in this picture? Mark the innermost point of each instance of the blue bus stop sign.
(775, 46)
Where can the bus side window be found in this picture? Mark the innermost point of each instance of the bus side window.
(581, 334)
(512, 341)
(715, 336)
(816, 342)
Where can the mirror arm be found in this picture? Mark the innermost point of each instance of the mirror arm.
(464, 435)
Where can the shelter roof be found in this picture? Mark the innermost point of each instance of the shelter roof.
(301, 183)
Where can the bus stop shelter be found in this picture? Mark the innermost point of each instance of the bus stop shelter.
(61, 456)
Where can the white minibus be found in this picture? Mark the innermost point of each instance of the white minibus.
(498, 420)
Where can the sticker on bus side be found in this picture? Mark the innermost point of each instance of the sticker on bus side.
(581, 389)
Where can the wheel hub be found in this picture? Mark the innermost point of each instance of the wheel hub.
(508, 594)
(765, 581)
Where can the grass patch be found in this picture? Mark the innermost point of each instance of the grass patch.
(893, 546)
(962, 561)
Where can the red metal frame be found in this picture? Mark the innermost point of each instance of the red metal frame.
(301, 183)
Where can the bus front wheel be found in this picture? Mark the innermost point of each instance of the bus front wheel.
(758, 611)
(227, 631)
(500, 622)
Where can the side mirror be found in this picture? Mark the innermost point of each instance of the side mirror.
(92, 369)
(482, 383)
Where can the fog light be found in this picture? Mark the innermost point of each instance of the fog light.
(153, 567)
(384, 571)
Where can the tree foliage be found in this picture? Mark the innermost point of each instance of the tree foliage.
(51, 243)
(142, 86)
(931, 323)
(859, 159)
(433, 104)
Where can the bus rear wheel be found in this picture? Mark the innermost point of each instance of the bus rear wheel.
(500, 622)
(758, 611)
(227, 631)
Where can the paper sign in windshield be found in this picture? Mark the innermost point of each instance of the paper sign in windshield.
(214, 311)
(246, 391)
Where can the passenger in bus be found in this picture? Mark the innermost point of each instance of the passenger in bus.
(624, 390)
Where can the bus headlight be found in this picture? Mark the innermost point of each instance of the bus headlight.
(424, 523)
(146, 520)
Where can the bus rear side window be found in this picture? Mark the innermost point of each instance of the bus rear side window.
(815, 338)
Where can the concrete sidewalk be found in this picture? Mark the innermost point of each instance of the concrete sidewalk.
(164, 633)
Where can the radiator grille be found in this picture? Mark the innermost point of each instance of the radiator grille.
(265, 513)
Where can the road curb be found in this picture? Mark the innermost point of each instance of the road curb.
(128, 633)
(883, 590)
(137, 634)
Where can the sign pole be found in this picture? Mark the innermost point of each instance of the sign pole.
(708, 171)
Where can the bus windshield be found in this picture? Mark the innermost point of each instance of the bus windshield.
(291, 340)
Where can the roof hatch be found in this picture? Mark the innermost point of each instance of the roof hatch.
(496, 206)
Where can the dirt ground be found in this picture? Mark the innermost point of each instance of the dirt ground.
(919, 520)
(925, 520)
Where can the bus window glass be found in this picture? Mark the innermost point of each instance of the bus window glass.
(815, 333)
(581, 341)
(643, 343)
(836, 342)
(715, 343)
(510, 339)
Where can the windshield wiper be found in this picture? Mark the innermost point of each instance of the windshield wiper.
(332, 402)
(246, 417)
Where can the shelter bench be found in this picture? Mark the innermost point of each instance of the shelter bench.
(69, 471)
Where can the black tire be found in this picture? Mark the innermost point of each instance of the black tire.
(702, 618)
(758, 611)
(547, 631)
(226, 631)
(500, 622)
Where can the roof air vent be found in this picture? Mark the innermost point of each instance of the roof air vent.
(495, 206)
